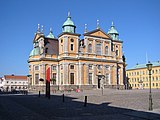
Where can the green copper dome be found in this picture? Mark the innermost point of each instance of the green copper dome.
(113, 32)
(50, 35)
(35, 51)
(68, 22)
(68, 25)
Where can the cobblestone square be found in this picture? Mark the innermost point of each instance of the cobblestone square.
(112, 105)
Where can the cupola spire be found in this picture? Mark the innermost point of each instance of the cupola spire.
(68, 25)
(85, 28)
(50, 35)
(42, 29)
(113, 32)
(69, 16)
(98, 24)
(38, 29)
(51, 30)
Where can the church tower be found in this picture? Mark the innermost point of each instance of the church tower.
(68, 39)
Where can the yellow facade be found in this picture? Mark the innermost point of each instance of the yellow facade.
(94, 61)
(138, 77)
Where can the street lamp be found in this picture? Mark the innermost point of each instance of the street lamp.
(149, 67)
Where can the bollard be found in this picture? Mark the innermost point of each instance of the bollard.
(85, 101)
(63, 97)
(39, 93)
(102, 91)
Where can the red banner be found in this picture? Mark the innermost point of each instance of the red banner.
(48, 74)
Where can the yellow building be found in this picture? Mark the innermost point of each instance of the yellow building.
(138, 77)
(93, 62)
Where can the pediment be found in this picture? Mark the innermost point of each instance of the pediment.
(97, 33)
(37, 37)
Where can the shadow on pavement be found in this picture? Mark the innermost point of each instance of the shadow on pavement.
(32, 107)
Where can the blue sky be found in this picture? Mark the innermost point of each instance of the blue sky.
(137, 21)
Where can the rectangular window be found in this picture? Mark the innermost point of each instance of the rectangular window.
(71, 78)
(53, 67)
(61, 67)
(36, 78)
(72, 67)
(54, 75)
(116, 52)
(61, 78)
(62, 48)
(71, 47)
(106, 50)
(90, 67)
(90, 78)
(37, 67)
(98, 49)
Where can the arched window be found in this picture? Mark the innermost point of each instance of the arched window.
(90, 48)
(106, 50)
(116, 52)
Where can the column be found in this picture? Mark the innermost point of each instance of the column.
(103, 48)
(116, 74)
(32, 75)
(87, 73)
(66, 77)
(77, 45)
(43, 73)
(94, 75)
(77, 74)
(57, 75)
(81, 76)
(110, 75)
(65, 44)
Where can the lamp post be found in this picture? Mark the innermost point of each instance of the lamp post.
(149, 67)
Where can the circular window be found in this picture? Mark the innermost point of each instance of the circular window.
(72, 40)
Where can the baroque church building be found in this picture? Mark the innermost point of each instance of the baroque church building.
(96, 61)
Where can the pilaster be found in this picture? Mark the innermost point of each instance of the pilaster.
(87, 73)
(94, 75)
(57, 75)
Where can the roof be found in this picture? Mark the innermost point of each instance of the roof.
(50, 35)
(15, 77)
(35, 51)
(112, 30)
(69, 34)
(138, 66)
(68, 22)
